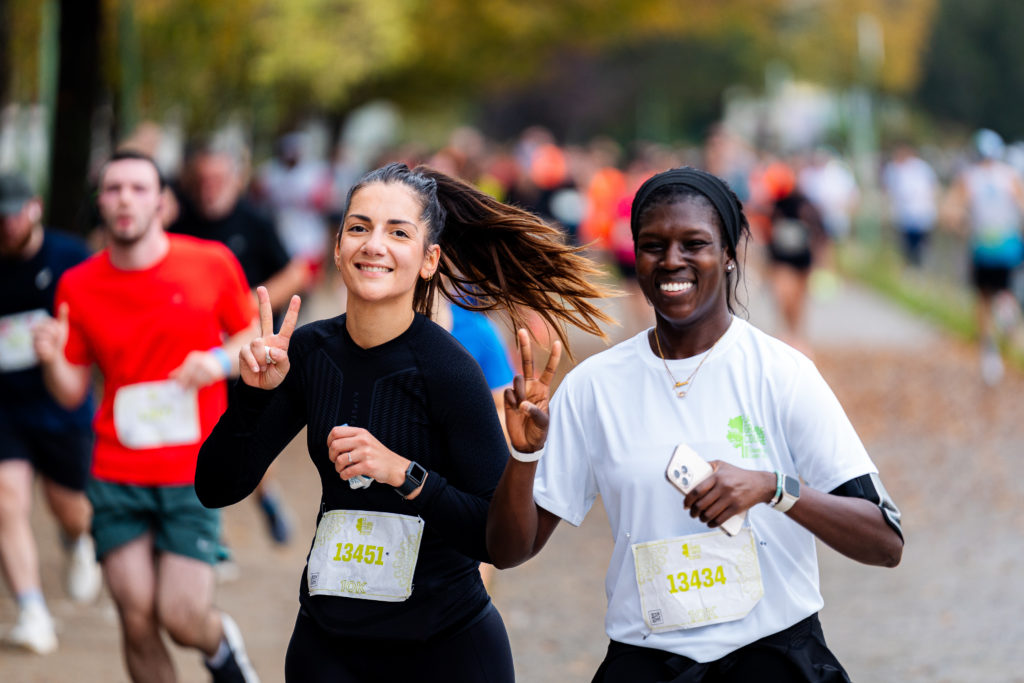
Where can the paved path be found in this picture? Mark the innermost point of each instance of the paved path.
(948, 450)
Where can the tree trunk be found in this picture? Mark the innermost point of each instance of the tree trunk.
(77, 91)
(5, 52)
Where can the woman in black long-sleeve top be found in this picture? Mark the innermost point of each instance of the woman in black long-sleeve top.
(394, 405)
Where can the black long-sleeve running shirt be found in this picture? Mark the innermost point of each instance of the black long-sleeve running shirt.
(422, 396)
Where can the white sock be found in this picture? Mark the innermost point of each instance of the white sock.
(30, 598)
(220, 656)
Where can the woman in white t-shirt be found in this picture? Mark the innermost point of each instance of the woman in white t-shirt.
(687, 602)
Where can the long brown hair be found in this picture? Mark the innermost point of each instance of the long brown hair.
(495, 256)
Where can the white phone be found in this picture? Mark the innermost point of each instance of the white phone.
(685, 470)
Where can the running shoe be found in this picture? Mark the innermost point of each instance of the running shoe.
(991, 366)
(84, 577)
(278, 524)
(236, 667)
(34, 630)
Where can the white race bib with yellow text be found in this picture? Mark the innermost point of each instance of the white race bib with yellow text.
(366, 555)
(697, 580)
(155, 414)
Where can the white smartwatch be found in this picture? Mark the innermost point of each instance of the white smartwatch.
(789, 495)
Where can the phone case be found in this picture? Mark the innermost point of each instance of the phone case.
(685, 470)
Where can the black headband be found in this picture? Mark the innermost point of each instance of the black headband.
(712, 187)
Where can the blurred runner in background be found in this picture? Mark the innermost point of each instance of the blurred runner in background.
(987, 198)
(297, 191)
(162, 318)
(213, 208)
(795, 240)
(913, 190)
(36, 434)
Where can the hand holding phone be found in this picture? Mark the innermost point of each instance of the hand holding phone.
(685, 470)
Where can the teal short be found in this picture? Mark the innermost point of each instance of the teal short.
(179, 522)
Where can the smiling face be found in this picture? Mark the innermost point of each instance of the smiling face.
(681, 263)
(381, 251)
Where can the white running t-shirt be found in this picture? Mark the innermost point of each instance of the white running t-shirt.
(757, 404)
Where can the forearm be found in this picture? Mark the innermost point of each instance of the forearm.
(517, 527)
(457, 516)
(852, 526)
(66, 382)
(256, 426)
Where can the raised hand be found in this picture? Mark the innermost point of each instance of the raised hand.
(264, 362)
(526, 402)
(50, 336)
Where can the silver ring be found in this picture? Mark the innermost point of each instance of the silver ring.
(270, 361)
(349, 458)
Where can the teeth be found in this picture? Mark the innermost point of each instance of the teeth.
(675, 286)
(374, 269)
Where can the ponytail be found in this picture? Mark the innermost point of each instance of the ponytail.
(495, 256)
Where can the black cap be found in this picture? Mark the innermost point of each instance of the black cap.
(14, 192)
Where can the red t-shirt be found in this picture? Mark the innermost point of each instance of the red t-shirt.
(137, 326)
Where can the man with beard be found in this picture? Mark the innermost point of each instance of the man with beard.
(36, 434)
(162, 318)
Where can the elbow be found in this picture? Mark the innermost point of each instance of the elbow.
(893, 554)
(503, 554)
(506, 562)
(69, 399)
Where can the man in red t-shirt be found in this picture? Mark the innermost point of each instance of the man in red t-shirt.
(162, 317)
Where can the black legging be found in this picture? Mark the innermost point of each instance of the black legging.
(479, 653)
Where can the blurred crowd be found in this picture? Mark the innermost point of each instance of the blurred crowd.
(801, 205)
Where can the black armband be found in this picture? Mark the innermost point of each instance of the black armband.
(869, 487)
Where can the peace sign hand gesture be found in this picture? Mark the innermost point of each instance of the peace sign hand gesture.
(264, 363)
(526, 402)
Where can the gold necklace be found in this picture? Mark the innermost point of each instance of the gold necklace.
(676, 384)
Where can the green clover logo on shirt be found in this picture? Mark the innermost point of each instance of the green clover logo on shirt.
(746, 436)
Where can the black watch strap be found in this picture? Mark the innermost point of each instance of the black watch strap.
(414, 476)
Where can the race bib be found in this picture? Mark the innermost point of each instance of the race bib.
(697, 580)
(366, 555)
(16, 350)
(790, 237)
(154, 414)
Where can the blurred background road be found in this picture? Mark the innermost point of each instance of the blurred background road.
(948, 448)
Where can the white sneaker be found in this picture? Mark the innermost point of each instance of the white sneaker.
(84, 577)
(34, 630)
(991, 366)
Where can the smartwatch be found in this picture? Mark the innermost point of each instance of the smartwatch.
(790, 493)
(414, 476)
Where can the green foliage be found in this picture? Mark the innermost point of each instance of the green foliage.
(974, 69)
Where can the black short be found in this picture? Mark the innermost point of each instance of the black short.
(795, 654)
(991, 279)
(64, 457)
(478, 653)
(798, 260)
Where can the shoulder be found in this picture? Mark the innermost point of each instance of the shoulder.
(440, 356)
(615, 361)
(771, 364)
(65, 246)
(192, 252)
(772, 355)
(317, 333)
(197, 247)
(92, 268)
